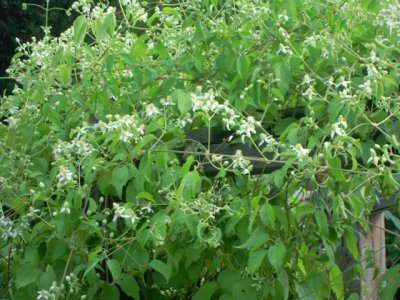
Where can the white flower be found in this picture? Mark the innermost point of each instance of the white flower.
(44, 295)
(372, 57)
(344, 83)
(266, 139)
(65, 208)
(125, 136)
(181, 123)
(152, 110)
(366, 87)
(147, 209)
(64, 176)
(324, 53)
(247, 127)
(337, 130)
(301, 153)
(374, 157)
(240, 163)
(307, 80)
(284, 49)
(372, 71)
(309, 93)
(167, 102)
(338, 127)
(123, 213)
(330, 81)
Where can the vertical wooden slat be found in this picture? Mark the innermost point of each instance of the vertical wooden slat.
(373, 243)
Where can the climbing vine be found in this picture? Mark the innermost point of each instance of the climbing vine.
(104, 193)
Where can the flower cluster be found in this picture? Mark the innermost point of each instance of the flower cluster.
(124, 213)
(65, 177)
(247, 127)
(72, 286)
(9, 229)
(339, 127)
(127, 127)
(63, 150)
(240, 163)
(300, 152)
(50, 294)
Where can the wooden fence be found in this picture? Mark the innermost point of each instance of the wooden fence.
(371, 243)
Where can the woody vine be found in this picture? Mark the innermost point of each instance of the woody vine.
(101, 199)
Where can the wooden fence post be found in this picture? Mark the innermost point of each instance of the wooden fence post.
(372, 243)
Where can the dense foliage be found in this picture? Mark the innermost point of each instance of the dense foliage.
(100, 197)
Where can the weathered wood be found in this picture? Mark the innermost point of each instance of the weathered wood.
(372, 245)
(200, 135)
(219, 146)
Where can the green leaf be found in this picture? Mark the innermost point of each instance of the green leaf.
(284, 282)
(139, 49)
(390, 283)
(190, 184)
(92, 263)
(229, 278)
(161, 267)
(305, 291)
(257, 238)
(104, 29)
(109, 60)
(46, 278)
(52, 115)
(304, 209)
(282, 73)
(64, 74)
(79, 27)
(129, 285)
(119, 178)
(139, 146)
(336, 281)
(267, 216)
(336, 168)
(183, 100)
(292, 9)
(56, 248)
(276, 255)
(351, 242)
(109, 24)
(256, 259)
(25, 276)
(322, 222)
(278, 176)
(186, 166)
(115, 268)
(243, 66)
(335, 107)
(206, 291)
(110, 291)
(145, 195)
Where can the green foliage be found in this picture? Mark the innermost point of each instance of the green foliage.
(104, 195)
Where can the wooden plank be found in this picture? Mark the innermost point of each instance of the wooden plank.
(218, 147)
(372, 245)
(201, 136)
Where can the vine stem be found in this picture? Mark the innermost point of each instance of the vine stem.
(47, 13)
(65, 273)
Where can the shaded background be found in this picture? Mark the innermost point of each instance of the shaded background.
(16, 22)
